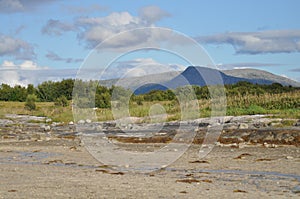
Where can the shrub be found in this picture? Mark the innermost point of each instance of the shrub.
(61, 101)
(30, 102)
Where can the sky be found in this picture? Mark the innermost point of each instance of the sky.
(53, 39)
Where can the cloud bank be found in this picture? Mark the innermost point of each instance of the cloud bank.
(271, 41)
(29, 72)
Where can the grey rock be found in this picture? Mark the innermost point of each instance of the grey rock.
(81, 122)
(243, 126)
(275, 124)
(230, 126)
(296, 189)
(48, 120)
(47, 128)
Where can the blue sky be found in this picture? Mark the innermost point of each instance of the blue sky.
(48, 40)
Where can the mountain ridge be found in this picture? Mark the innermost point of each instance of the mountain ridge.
(174, 79)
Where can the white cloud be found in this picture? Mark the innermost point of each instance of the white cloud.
(271, 41)
(19, 74)
(11, 6)
(94, 30)
(97, 29)
(139, 67)
(30, 65)
(244, 65)
(16, 48)
(14, 6)
(152, 14)
(56, 27)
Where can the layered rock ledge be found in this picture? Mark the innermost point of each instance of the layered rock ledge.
(235, 131)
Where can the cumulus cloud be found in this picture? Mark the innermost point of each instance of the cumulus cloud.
(139, 67)
(29, 72)
(152, 14)
(16, 48)
(94, 30)
(97, 29)
(55, 57)
(19, 74)
(13, 6)
(56, 27)
(271, 41)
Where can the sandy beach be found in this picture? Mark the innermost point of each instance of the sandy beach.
(62, 168)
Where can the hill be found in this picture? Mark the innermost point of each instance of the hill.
(174, 79)
(200, 76)
(261, 74)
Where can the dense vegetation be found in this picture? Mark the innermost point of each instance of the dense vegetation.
(242, 98)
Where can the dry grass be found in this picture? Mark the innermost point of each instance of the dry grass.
(46, 109)
(286, 105)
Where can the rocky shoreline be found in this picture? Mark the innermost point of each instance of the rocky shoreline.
(255, 157)
(236, 131)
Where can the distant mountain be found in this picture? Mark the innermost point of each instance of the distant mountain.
(261, 74)
(199, 76)
(194, 76)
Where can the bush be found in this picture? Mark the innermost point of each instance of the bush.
(61, 101)
(30, 102)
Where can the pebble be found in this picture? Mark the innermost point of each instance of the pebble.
(48, 120)
(81, 122)
(289, 157)
(296, 189)
(243, 126)
(47, 128)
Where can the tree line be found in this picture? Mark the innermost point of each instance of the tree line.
(62, 91)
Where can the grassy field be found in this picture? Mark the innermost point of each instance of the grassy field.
(286, 105)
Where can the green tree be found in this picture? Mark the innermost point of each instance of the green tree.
(30, 89)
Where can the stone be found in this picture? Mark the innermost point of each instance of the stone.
(289, 157)
(88, 121)
(230, 126)
(71, 123)
(296, 189)
(48, 120)
(81, 122)
(243, 126)
(47, 128)
(275, 124)
(36, 137)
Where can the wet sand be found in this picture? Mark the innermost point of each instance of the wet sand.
(62, 168)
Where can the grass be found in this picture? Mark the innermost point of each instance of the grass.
(286, 105)
(44, 109)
